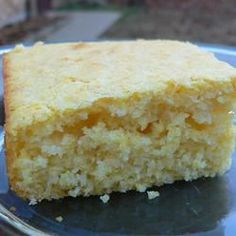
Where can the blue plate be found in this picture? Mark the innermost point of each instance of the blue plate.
(202, 207)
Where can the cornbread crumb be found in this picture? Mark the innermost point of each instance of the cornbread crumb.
(152, 194)
(32, 202)
(141, 188)
(59, 218)
(13, 209)
(105, 198)
(74, 192)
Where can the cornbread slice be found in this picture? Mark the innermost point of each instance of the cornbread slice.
(92, 118)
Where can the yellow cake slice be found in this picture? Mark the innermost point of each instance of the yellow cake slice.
(93, 118)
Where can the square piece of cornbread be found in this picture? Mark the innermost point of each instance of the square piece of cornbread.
(92, 118)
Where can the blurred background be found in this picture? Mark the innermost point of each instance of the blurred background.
(28, 21)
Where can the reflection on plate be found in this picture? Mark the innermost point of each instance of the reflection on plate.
(205, 206)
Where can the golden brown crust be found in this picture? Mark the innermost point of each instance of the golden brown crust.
(6, 77)
(10, 154)
(83, 73)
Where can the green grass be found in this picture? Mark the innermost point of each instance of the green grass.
(126, 11)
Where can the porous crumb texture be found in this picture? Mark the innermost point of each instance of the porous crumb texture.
(92, 118)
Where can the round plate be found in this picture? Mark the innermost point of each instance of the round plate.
(206, 206)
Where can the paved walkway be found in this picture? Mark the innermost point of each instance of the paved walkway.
(77, 26)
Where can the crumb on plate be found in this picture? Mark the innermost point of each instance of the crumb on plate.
(105, 198)
(59, 218)
(32, 202)
(152, 194)
(12, 208)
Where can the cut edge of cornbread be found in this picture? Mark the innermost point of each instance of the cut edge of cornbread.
(123, 143)
(98, 134)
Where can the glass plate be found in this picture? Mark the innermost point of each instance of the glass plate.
(203, 207)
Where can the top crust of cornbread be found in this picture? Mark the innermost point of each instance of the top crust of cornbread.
(49, 79)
